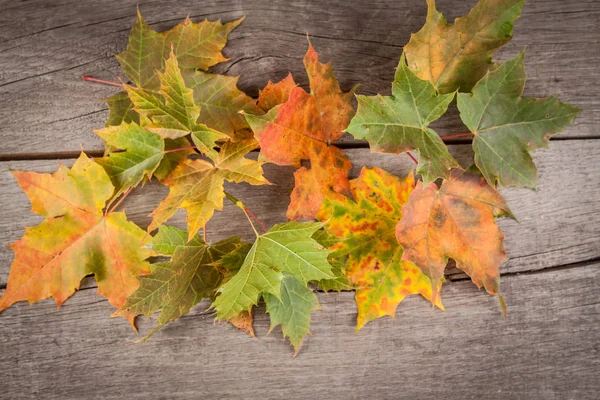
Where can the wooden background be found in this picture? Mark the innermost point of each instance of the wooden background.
(547, 348)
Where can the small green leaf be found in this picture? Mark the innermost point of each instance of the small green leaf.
(399, 123)
(292, 309)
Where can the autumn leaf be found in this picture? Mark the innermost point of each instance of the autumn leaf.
(337, 262)
(176, 150)
(285, 248)
(456, 56)
(399, 123)
(134, 155)
(244, 321)
(366, 230)
(120, 109)
(197, 185)
(303, 128)
(275, 93)
(292, 309)
(174, 287)
(506, 126)
(220, 101)
(76, 239)
(455, 221)
(196, 45)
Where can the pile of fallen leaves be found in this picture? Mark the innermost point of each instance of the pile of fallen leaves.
(383, 236)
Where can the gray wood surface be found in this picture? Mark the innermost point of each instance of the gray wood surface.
(47, 45)
(547, 348)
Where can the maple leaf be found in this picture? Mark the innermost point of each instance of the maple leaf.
(197, 185)
(171, 112)
(143, 153)
(176, 286)
(275, 93)
(303, 128)
(244, 321)
(455, 221)
(176, 150)
(292, 309)
(196, 45)
(366, 229)
(120, 109)
(220, 101)
(285, 248)
(76, 239)
(456, 56)
(399, 123)
(506, 126)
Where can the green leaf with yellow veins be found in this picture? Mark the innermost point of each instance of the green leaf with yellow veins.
(288, 248)
(292, 310)
(197, 45)
(220, 101)
(455, 57)
(506, 126)
(366, 229)
(76, 239)
(399, 123)
(197, 185)
(120, 109)
(134, 155)
(176, 286)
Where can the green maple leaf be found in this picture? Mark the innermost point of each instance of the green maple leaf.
(176, 286)
(288, 248)
(120, 109)
(456, 56)
(292, 309)
(133, 155)
(399, 123)
(506, 126)
(196, 45)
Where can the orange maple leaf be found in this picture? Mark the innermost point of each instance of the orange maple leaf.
(455, 221)
(76, 239)
(303, 128)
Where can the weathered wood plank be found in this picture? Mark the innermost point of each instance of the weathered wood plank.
(559, 224)
(46, 46)
(547, 348)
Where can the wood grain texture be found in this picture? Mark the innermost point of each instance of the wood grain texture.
(559, 223)
(47, 45)
(547, 348)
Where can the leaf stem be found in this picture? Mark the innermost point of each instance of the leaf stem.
(112, 208)
(91, 79)
(412, 157)
(204, 233)
(246, 211)
(456, 135)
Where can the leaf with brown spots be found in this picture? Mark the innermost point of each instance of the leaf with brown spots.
(303, 128)
(455, 221)
(366, 229)
(76, 239)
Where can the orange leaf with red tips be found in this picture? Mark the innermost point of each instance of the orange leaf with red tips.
(75, 240)
(303, 128)
(455, 221)
(366, 228)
